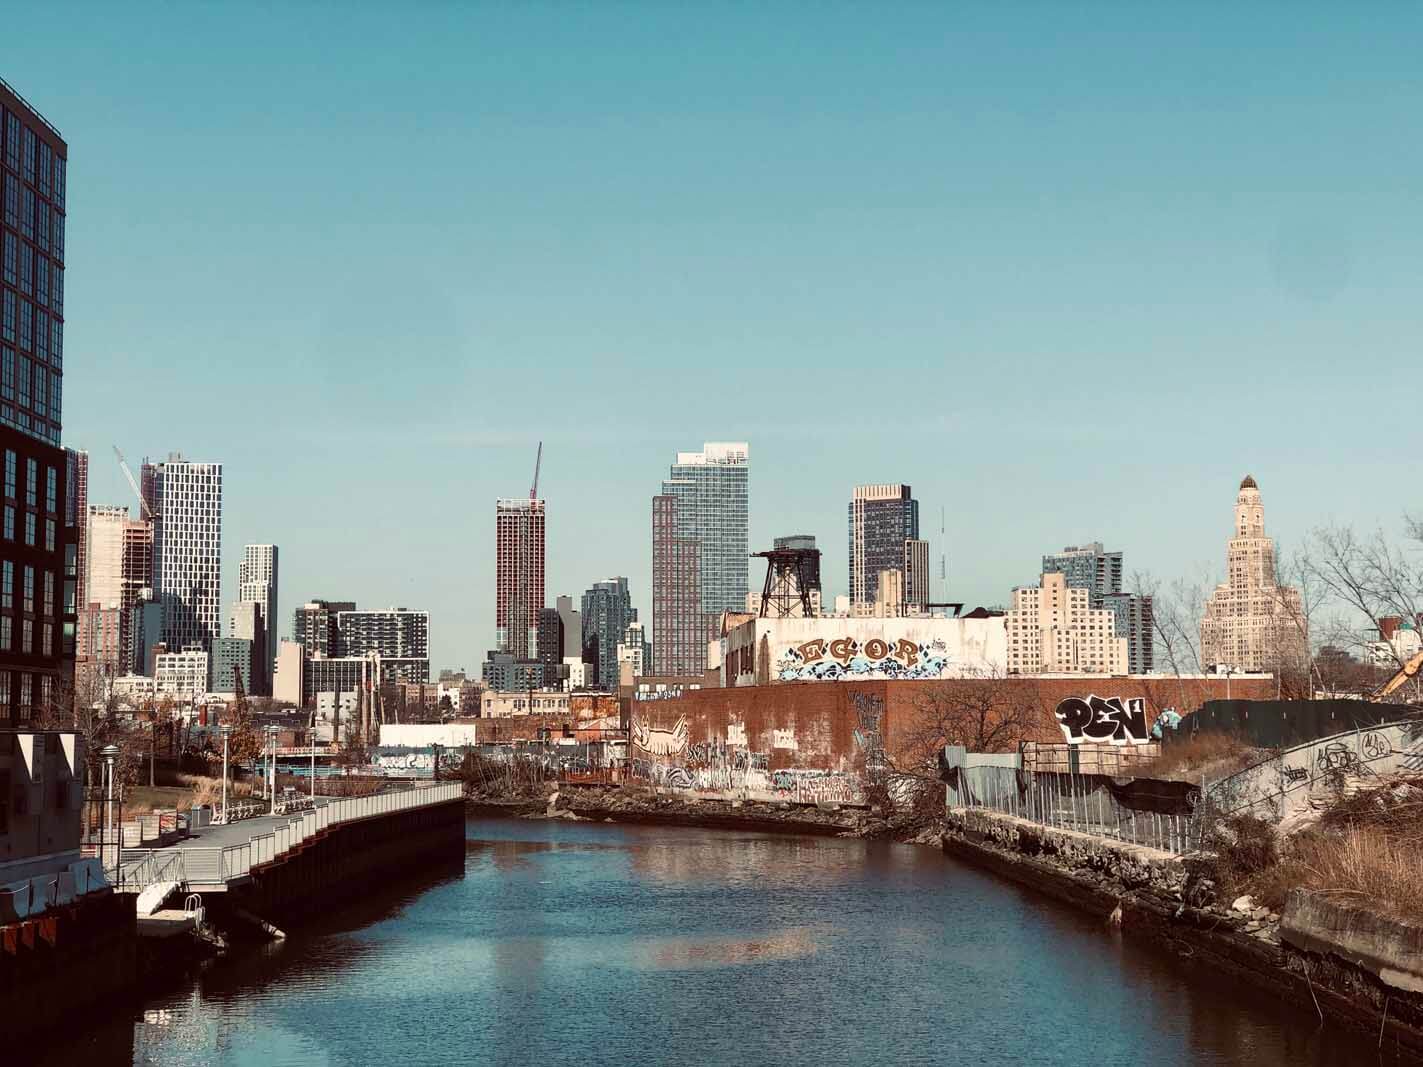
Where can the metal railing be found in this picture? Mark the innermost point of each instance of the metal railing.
(1076, 802)
(198, 865)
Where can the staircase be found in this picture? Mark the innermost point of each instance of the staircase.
(153, 896)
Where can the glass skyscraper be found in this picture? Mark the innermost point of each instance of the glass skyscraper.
(700, 543)
(882, 519)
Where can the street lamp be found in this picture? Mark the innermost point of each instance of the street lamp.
(110, 753)
(311, 736)
(225, 729)
(272, 770)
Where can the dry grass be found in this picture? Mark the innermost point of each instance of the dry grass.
(1366, 850)
(1209, 755)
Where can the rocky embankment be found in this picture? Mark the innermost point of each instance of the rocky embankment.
(1152, 895)
(617, 804)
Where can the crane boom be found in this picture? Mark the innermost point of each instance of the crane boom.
(538, 462)
(1405, 672)
(142, 504)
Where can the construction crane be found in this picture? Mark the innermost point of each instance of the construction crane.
(538, 462)
(142, 503)
(1405, 672)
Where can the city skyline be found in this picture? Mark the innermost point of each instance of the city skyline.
(933, 250)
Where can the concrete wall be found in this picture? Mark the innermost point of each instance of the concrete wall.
(423, 735)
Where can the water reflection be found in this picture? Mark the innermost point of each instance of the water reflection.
(615, 944)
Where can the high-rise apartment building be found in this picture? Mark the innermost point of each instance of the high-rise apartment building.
(882, 519)
(38, 556)
(401, 637)
(1098, 571)
(634, 652)
(257, 582)
(188, 551)
(518, 575)
(1053, 628)
(247, 622)
(314, 625)
(1252, 623)
(916, 575)
(607, 611)
(118, 555)
(700, 524)
(76, 511)
(1088, 567)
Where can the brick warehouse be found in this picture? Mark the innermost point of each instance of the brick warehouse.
(828, 726)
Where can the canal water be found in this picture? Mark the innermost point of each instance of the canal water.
(583, 943)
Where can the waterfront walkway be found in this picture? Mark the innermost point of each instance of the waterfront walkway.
(214, 859)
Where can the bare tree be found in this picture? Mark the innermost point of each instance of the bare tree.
(1176, 612)
(1371, 578)
(983, 713)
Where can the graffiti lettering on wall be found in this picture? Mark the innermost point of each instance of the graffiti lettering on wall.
(657, 741)
(844, 657)
(1111, 720)
(869, 712)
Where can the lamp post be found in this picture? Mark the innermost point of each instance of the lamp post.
(226, 730)
(110, 754)
(272, 770)
(311, 735)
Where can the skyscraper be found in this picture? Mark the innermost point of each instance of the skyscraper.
(607, 611)
(257, 582)
(699, 552)
(882, 519)
(38, 558)
(247, 623)
(916, 575)
(314, 625)
(1251, 622)
(188, 551)
(518, 575)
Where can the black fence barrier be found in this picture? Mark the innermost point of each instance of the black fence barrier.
(1285, 723)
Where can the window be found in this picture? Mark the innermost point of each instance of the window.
(59, 176)
(27, 645)
(54, 397)
(49, 535)
(32, 482)
(7, 376)
(51, 490)
(9, 522)
(12, 140)
(56, 298)
(27, 326)
(28, 604)
(30, 528)
(41, 392)
(57, 237)
(42, 226)
(7, 322)
(44, 166)
(49, 592)
(47, 643)
(11, 467)
(42, 290)
(24, 696)
(27, 213)
(12, 256)
(7, 633)
(27, 154)
(7, 585)
(12, 201)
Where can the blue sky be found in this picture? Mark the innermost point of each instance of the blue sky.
(1069, 270)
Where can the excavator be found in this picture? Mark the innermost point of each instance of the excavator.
(1407, 671)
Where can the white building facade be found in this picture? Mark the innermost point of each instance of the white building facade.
(257, 582)
(1251, 622)
(1052, 628)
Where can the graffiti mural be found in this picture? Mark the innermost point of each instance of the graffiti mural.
(657, 741)
(846, 658)
(1112, 720)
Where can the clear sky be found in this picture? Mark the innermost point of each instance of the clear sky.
(1069, 270)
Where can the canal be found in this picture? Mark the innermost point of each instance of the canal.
(593, 943)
